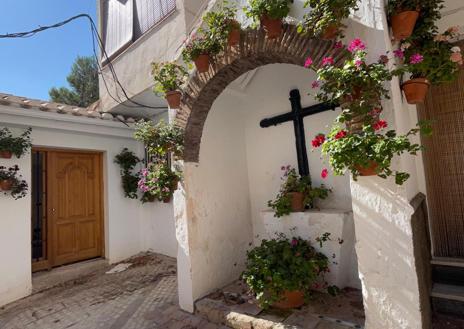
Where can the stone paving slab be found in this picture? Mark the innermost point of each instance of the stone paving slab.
(142, 297)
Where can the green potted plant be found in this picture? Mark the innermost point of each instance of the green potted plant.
(223, 25)
(355, 85)
(127, 161)
(158, 181)
(270, 13)
(11, 182)
(326, 16)
(281, 272)
(200, 49)
(370, 151)
(10, 145)
(160, 138)
(296, 193)
(429, 60)
(169, 77)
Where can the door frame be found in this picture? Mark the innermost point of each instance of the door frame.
(46, 264)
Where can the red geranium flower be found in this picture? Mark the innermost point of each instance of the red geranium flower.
(328, 61)
(324, 173)
(318, 140)
(341, 134)
(380, 124)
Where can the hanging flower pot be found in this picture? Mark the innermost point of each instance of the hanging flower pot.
(330, 32)
(202, 63)
(6, 184)
(234, 33)
(290, 299)
(173, 98)
(370, 170)
(403, 24)
(297, 201)
(273, 27)
(6, 154)
(416, 90)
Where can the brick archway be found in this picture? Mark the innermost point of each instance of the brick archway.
(255, 50)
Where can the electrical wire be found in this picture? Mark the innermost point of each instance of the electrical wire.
(101, 45)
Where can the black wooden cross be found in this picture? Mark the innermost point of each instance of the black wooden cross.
(297, 115)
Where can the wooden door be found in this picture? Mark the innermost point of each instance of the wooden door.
(74, 206)
(444, 167)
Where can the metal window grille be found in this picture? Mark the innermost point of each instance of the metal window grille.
(148, 13)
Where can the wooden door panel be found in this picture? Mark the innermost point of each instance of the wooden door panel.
(444, 166)
(76, 209)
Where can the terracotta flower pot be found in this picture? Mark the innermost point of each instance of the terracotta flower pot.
(416, 90)
(273, 27)
(173, 98)
(371, 170)
(403, 24)
(202, 63)
(6, 184)
(167, 199)
(297, 201)
(6, 154)
(330, 32)
(234, 34)
(290, 299)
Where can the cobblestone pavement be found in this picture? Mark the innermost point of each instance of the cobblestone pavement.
(142, 297)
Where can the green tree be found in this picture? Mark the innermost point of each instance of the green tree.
(83, 80)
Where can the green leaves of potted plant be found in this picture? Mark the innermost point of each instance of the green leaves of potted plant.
(11, 182)
(326, 16)
(199, 49)
(369, 152)
(429, 60)
(160, 138)
(127, 161)
(296, 193)
(270, 14)
(281, 272)
(158, 181)
(10, 145)
(169, 77)
(223, 25)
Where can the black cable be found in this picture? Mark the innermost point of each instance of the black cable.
(101, 45)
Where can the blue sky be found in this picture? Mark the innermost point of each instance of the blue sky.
(31, 66)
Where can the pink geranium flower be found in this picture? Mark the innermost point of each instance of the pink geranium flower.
(309, 62)
(358, 63)
(398, 53)
(315, 84)
(327, 61)
(416, 59)
(324, 173)
(380, 125)
(338, 45)
(356, 45)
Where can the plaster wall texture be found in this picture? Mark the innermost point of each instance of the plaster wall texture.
(314, 223)
(129, 227)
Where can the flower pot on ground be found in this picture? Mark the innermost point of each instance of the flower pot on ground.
(415, 90)
(290, 299)
(403, 23)
(169, 77)
(6, 154)
(272, 26)
(295, 266)
(202, 63)
(174, 98)
(14, 145)
(296, 193)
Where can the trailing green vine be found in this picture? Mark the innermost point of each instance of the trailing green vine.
(127, 161)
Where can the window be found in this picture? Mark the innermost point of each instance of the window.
(124, 21)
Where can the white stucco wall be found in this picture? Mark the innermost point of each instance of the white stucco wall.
(129, 226)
